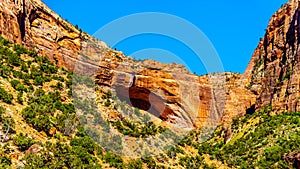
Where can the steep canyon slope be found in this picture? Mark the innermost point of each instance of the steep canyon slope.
(273, 72)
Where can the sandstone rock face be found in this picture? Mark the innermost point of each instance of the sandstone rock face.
(273, 72)
(34, 149)
(239, 100)
(184, 99)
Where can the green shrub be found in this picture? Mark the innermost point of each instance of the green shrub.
(20, 98)
(113, 160)
(35, 71)
(22, 142)
(5, 96)
(42, 123)
(4, 42)
(24, 67)
(19, 49)
(49, 69)
(151, 164)
(2, 111)
(107, 103)
(5, 161)
(18, 74)
(108, 94)
(59, 78)
(34, 161)
(85, 142)
(16, 84)
(38, 81)
(273, 153)
(14, 60)
(59, 86)
(135, 164)
(5, 70)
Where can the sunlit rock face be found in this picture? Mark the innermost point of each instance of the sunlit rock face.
(273, 72)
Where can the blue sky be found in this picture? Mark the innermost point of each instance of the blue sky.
(234, 27)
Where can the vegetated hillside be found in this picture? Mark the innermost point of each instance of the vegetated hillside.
(40, 128)
(38, 123)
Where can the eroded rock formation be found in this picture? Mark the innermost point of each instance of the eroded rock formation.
(273, 72)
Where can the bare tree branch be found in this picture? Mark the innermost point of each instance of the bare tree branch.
(6, 133)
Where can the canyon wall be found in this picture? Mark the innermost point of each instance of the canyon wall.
(273, 72)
